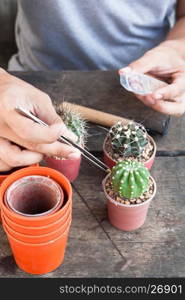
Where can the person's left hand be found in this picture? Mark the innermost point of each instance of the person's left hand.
(163, 62)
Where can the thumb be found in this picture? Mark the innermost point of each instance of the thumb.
(142, 65)
(49, 115)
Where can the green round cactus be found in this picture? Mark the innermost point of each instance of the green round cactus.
(130, 179)
(128, 140)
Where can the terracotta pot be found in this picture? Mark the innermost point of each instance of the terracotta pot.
(110, 162)
(127, 217)
(34, 196)
(37, 239)
(39, 258)
(69, 167)
(40, 220)
(41, 229)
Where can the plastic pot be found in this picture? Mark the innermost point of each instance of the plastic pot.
(110, 162)
(38, 230)
(127, 217)
(69, 167)
(2, 178)
(39, 258)
(37, 239)
(4, 175)
(39, 220)
(34, 196)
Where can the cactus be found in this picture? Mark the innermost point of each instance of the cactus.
(74, 122)
(128, 140)
(130, 179)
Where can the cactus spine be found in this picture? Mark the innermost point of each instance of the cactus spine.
(74, 122)
(128, 140)
(130, 179)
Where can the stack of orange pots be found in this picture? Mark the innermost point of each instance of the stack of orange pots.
(36, 211)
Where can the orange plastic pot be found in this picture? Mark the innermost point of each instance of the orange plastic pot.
(110, 162)
(4, 175)
(39, 258)
(40, 220)
(38, 230)
(127, 217)
(2, 178)
(34, 196)
(69, 167)
(37, 239)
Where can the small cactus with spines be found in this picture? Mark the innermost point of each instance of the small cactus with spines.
(130, 179)
(128, 140)
(74, 122)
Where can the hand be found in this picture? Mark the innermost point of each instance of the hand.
(37, 139)
(165, 63)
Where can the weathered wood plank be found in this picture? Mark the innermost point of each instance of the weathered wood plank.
(96, 89)
(172, 144)
(95, 248)
(157, 248)
(101, 90)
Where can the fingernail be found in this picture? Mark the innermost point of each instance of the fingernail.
(151, 100)
(62, 128)
(125, 70)
(158, 96)
(74, 155)
(68, 133)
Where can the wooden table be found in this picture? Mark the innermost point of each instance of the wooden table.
(95, 248)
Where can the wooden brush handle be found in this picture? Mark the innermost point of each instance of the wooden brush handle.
(96, 116)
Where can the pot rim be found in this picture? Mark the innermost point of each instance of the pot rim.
(48, 173)
(8, 228)
(60, 197)
(39, 244)
(145, 162)
(68, 211)
(126, 205)
(61, 159)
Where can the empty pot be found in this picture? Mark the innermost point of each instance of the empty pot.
(42, 220)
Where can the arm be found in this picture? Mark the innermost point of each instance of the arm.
(176, 37)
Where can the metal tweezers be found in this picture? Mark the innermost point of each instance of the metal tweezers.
(93, 159)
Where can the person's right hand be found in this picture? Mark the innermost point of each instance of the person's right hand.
(36, 139)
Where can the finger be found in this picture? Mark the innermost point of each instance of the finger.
(52, 149)
(49, 116)
(141, 65)
(4, 167)
(170, 108)
(165, 107)
(13, 156)
(59, 149)
(171, 91)
(32, 132)
(147, 99)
